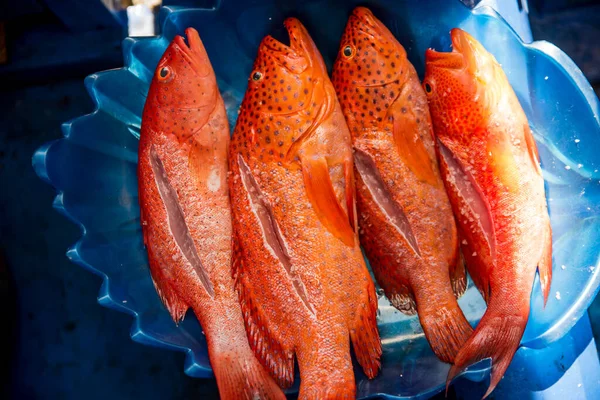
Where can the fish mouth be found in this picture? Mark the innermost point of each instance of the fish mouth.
(454, 59)
(300, 54)
(194, 53)
(363, 20)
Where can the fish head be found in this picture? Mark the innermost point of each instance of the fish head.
(369, 57)
(462, 84)
(184, 86)
(286, 78)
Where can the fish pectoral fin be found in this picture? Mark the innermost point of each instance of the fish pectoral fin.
(411, 148)
(364, 334)
(323, 198)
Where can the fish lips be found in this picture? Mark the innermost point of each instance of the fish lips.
(363, 20)
(194, 53)
(301, 53)
(466, 53)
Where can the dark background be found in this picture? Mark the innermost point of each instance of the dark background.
(60, 342)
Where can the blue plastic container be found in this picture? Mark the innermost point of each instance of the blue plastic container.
(94, 171)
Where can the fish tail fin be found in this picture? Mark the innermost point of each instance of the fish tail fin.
(497, 337)
(241, 377)
(545, 264)
(365, 336)
(443, 322)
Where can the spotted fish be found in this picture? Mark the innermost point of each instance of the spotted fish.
(304, 287)
(406, 223)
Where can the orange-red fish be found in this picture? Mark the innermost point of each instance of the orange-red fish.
(490, 164)
(185, 212)
(406, 223)
(304, 287)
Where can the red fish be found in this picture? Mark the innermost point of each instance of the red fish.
(490, 165)
(406, 223)
(185, 212)
(304, 287)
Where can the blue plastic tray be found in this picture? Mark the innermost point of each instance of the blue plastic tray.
(94, 168)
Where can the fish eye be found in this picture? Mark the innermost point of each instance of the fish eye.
(347, 51)
(428, 88)
(164, 73)
(257, 76)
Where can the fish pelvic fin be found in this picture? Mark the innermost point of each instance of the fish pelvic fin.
(323, 198)
(496, 337)
(401, 297)
(458, 276)
(545, 264)
(240, 376)
(443, 322)
(365, 336)
(277, 359)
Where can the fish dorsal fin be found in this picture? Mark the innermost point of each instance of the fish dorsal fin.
(273, 352)
(381, 195)
(411, 147)
(323, 198)
(176, 221)
(270, 229)
(471, 195)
